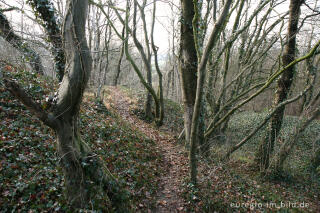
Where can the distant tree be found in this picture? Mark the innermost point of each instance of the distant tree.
(145, 53)
(116, 78)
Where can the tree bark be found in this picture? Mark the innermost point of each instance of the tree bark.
(116, 78)
(188, 64)
(86, 178)
(283, 87)
(218, 27)
(159, 113)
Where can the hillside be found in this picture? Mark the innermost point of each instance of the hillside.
(147, 161)
(30, 176)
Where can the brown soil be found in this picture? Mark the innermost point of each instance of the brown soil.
(175, 164)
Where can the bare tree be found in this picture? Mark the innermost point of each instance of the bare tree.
(283, 87)
(116, 78)
(145, 54)
(203, 59)
(188, 62)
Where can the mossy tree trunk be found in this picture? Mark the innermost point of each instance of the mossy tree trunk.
(283, 88)
(203, 59)
(188, 63)
(44, 10)
(116, 78)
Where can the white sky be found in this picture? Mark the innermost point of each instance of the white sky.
(163, 27)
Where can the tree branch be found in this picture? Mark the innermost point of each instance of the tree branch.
(31, 105)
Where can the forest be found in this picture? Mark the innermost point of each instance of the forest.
(159, 106)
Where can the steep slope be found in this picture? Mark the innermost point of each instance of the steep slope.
(29, 172)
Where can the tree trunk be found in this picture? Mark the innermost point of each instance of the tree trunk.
(188, 65)
(87, 180)
(148, 103)
(283, 87)
(116, 78)
(213, 38)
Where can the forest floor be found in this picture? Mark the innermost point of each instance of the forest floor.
(222, 186)
(30, 176)
(175, 166)
(147, 160)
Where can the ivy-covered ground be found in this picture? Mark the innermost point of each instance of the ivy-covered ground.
(30, 179)
(173, 119)
(233, 186)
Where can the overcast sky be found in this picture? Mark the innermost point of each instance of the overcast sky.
(163, 27)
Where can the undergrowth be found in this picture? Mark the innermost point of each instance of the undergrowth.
(30, 178)
(173, 112)
(235, 187)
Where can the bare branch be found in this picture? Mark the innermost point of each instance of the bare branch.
(31, 105)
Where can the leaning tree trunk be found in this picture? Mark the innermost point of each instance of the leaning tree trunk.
(188, 62)
(87, 180)
(16, 41)
(283, 87)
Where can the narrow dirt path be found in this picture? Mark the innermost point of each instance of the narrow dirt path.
(175, 162)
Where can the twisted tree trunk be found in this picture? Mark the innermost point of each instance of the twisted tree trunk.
(86, 178)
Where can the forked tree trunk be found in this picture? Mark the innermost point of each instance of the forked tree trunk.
(218, 27)
(88, 182)
(283, 87)
(84, 173)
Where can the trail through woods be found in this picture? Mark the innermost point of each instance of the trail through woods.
(175, 162)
